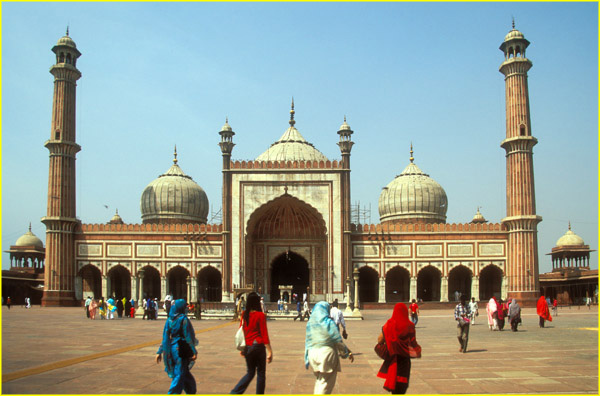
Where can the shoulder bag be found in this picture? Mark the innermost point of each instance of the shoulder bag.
(240, 338)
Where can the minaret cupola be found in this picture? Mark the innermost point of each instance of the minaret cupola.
(66, 51)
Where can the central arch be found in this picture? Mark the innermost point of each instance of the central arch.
(286, 244)
(428, 284)
(289, 268)
(178, 276)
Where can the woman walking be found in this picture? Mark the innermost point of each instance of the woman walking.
(514, 314)
(92, 309)
(492, 313)
(178, 349)
(543, 311)
(323, 348)
(400, 338)
(258, 347)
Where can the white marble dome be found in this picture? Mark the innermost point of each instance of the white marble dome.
(570, 239)
(413, 197)
(29, 239)
(292, 146)
(174, 198)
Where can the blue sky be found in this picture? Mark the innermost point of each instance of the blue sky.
(160, 74)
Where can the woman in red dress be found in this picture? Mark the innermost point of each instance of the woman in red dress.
(400, 338)
(543, 311)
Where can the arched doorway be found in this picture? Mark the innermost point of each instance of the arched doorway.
(151, 283)
(177, 278)
(368, 285)
(397, 285)
(120, 282)
(490, 282)
(289, 269)
(209, 284)
(459, 280)
(286, 244)
(91, 279)
(428, 284)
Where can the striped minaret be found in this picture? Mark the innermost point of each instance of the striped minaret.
(60, 221)
(521, 220)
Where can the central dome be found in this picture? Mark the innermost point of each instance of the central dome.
(174, 198)
(292, 147)
(413, 197)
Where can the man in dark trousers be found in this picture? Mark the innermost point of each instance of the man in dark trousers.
(299, 309)
(461, 315)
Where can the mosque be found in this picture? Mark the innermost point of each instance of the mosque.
(286, 222)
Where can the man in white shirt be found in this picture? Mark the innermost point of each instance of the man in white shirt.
(338, 318)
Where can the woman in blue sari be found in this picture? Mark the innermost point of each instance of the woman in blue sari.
(178, 349)
(323, 348)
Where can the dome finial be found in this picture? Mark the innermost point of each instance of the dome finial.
(569, 226)
(513, 23)
(67, 30)
(30, 226)
(175, 155)
(411, 153)
(292, 112)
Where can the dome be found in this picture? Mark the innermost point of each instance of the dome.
(570, 239)
(66, 40)
(478, 218)
(514, 34)
(174, 198)
(413, 197)
(292, 147)
(116, 219)
(29, 239)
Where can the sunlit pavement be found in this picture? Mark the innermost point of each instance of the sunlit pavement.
(58, 350)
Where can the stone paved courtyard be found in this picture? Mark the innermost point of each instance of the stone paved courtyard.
(58, 351)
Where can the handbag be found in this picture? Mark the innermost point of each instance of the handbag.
(381, 349)
(240, 338)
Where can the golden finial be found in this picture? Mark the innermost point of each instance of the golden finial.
(411, 153)
(569, 225)
(226, 120)
(175, 154)
(292, 112)
(344, 117)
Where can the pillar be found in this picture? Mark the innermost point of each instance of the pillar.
(475, 287)
(382, 289)
(444, 289)
(504, 287)
(194, 295)
(163, 287)
(188, 294)
(104, 286)
(413, 288)
(348, 299)
(134, 291)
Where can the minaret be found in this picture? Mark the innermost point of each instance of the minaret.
(346, 144)
(521, 220)
(60, 221)
(226, 145)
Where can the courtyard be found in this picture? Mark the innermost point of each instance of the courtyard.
(59, 351)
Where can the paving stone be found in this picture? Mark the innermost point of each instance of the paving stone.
(562, 358)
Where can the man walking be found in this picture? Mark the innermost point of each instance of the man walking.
(414, 312)
(88, 301)
(461, 315)
(338, 318)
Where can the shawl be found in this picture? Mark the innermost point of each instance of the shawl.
(177, 328)
(400, 338)
(514, 309)
(542, 309)
(321, 330)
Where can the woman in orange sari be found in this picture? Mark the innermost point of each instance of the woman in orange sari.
(543, 311)
(400, 338)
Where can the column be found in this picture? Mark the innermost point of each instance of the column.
(382, 290)
(104, 286)
(348, 310)
(504, 287)
(163, 287)
(188, 295)
(140, 299)
(444, 289)
(413, 288)
(475, 287)
(194, 295)
(356, 311)
(134, 293)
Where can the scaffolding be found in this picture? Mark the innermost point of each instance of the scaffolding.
(360, 215)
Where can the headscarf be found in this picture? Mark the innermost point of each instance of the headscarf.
(542, 309)
(173, 329)
(398, 331)
(514, 309)
(320, 330)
